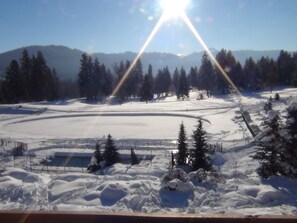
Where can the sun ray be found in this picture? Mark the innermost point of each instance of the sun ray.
(190, 25)
(147, 42)
(180, 12)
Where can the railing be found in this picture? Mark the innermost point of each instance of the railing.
(85, 217)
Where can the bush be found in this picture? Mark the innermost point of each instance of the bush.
(176, 180)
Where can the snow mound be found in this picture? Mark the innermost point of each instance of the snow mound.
(206, 177)
(219, 159)
(22, 175)
(271, 196)
(112, 193)
(176, 180)
(271, 115)
(292, 106)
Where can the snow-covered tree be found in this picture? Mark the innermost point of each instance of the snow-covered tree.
(97, 154)
(110, 154)
(290, 152)
(268, 106)
(95, 161)
(201, 159)
(182, 146)
(134, 158)
(270, 146)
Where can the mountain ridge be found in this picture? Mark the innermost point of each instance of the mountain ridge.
(67, 60)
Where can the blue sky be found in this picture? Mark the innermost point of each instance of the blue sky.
(113, 26)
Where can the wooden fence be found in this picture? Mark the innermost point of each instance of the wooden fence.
(85, 217)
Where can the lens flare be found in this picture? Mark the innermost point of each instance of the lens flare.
(147, 42)
(173, 8)
(190, 25)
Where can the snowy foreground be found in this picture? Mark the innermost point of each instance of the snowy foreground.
(73, 127)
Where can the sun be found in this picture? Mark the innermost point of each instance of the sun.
(173, 8)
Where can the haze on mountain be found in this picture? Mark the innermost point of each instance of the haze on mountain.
(67, 61)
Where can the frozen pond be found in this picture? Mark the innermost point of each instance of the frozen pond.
(149, 127)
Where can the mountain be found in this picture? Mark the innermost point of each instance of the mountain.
(67, 61)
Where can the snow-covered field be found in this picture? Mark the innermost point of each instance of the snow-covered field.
(151, 129)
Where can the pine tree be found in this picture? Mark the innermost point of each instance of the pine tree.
(40, 77)
(97, 154)
(84, 76)
(182, 146)
(163, 82)
(285, 67)
(251, 75)
(26, 70)
(137, 79)
(12, 83)
(120, 70)
(200, 157)
(290, 152)
(227, 62)
(96, 79)
(146, 90)
(134, 158)
(270, 147)
(193, 77)
(110, 154)
(175, 79)
(206, 75)
(183, 90)
(107, 81)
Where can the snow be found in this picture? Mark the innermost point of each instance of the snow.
(292, 106)
(271, 115)
(73, 127)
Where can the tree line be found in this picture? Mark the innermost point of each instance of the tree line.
(32, 80)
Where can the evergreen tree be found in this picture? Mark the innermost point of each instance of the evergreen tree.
(250, 75)
(183, 90)
(201, 159)
(227, 62)
(285, 68)
(134, 158)
(146, 90)
(137, 79)
(176, 79)
(107, 81)
(96, 80)
(110, 154)
(40, 78)
(120, 70)
(98, 155)
(238, 77)
(193, 77)
(26, 70)
(84, 76)
(206, 75)
(182, 146)
(290, 153)
(270, 147)
(163, 82)
(12, 83)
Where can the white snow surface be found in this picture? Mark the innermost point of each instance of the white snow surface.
(73, 127)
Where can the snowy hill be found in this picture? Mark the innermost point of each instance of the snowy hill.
(73, 127)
